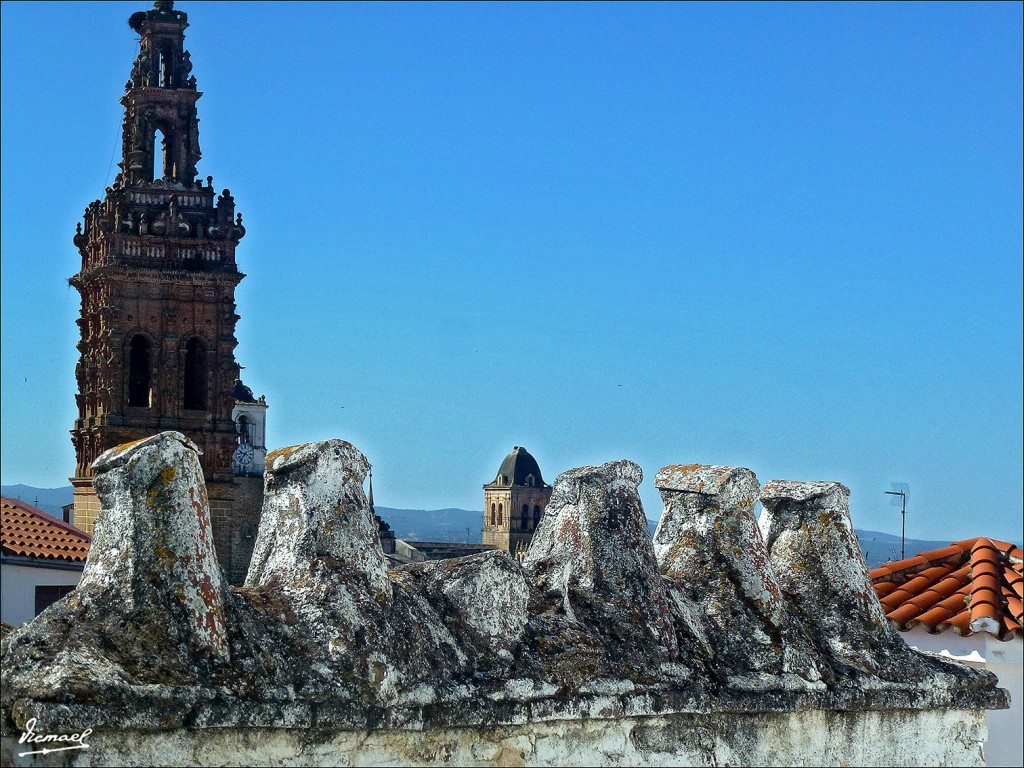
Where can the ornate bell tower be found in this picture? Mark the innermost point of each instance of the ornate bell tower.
(158, 284)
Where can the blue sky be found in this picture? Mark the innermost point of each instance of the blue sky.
(786, 237)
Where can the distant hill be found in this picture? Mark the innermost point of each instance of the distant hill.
(449, 524)
(465, 525)
(881, 547)
(47, 499)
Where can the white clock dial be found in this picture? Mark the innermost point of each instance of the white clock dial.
(244, 454)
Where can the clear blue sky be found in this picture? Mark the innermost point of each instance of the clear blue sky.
(786, 237)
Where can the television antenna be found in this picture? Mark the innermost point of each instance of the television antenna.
(900, 490)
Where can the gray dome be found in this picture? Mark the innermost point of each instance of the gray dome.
(517, 468)
(242, 393)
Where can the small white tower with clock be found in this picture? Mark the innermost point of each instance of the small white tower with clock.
(250, 417)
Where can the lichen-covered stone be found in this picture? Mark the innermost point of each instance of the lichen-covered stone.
(162, 562)
(316, 517)
(318, 559)
(814, 550)
(592, 566)
(484, 595)
(710, 551)
(150, 608)
(326, 649)
(823, 576)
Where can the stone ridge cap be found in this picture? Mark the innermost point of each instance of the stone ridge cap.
(707, 479)
(800, 490)
(292, 456)
(121, 454)
(206, 709)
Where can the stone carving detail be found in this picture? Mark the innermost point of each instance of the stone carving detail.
(597, 623)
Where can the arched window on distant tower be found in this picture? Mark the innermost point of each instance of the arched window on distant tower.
(165, 69)
(494, 516)
(195, 375)
(524, 521)
(164, 161)
(536, 515)
(139, 372)
(500, 516)
(244, 427)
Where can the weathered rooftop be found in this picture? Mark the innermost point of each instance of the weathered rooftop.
(26, 531)
(974, 585)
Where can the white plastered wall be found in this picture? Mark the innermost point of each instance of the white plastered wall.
(1005, 745)
(18, 589)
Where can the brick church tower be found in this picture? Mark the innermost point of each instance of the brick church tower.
(158, 284)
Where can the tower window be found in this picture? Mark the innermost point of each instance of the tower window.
(195, 375)
(139, 372)
(165, 70)
(244, 429)
(524, 521)
(164, 163)
(536, 515)
(500, 517)
(494, 516)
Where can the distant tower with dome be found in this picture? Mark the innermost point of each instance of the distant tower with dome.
(514, 502)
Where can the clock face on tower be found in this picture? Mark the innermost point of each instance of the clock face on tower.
(244, 454)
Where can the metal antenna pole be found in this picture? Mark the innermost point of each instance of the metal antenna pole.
(902, 493)
(903, 530)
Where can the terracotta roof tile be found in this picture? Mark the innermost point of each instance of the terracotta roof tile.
(1016, 583)
(883, 588)
(1013, 604)
(974, 585)
(944, 609)
(26, 531)
(961, 624)
(1010, 624)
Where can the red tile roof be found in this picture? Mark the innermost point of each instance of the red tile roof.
(974, 585)
(29, 532)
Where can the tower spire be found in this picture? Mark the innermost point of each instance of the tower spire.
(160, 99)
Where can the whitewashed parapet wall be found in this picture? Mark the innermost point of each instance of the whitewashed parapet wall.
(725, 641)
